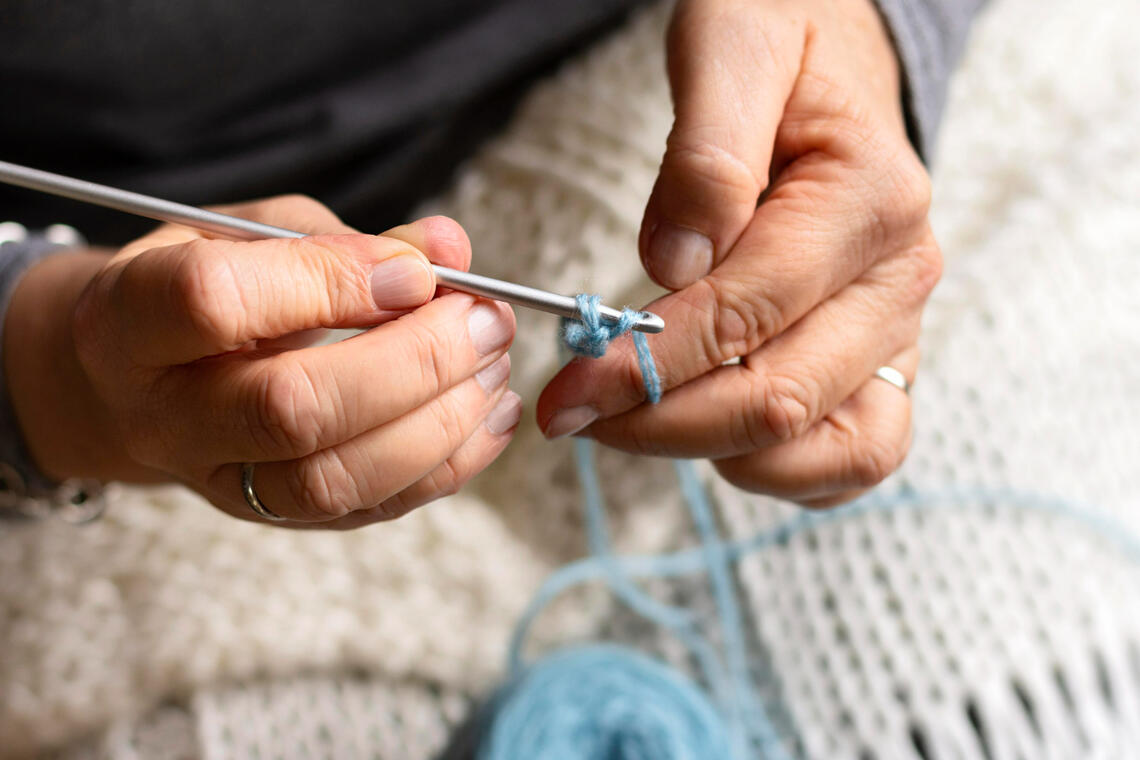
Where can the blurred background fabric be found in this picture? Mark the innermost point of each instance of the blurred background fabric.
(217, 101)
(986, 631)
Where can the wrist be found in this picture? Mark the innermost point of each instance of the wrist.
(65, 427)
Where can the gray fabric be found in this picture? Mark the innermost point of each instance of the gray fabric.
(929, 36)
(16, 257)
(365, 105)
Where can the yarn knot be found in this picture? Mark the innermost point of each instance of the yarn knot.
(590, 335)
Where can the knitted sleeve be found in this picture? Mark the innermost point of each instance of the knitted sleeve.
(929, 36)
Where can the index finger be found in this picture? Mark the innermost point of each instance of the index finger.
(207, 297)
(789, 259)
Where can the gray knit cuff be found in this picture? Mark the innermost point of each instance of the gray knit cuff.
(929, 37)
(16, 257)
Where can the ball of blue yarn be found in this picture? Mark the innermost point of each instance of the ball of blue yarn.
(603, 702)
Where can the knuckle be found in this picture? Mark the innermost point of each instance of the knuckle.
(430, 354)
(738, 474)
(206, 291)
(304, 213)
(894, 185)
(286, 412)
(907, 202)
(302, 205)
(296, 211)
(394, 507)
(88, 323)
(740, 321)
(453, 418)
(698, 153)
(927, 258)
(643, 441)
(448, 478)
(914, 177)
(872, 460)
(783, 411)
(321, 487)
(146, 444)
(901, 452)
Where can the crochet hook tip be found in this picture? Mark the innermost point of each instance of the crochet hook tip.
(650, 323)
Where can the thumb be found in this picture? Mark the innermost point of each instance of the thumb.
(731, 69)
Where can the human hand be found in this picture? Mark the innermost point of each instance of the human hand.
(794, 106)
(182, 357)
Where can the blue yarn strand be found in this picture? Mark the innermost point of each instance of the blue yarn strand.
(593, 687)
(597, 535)
(691, 561)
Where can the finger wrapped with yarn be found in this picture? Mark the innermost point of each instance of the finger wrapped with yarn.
(590, 335)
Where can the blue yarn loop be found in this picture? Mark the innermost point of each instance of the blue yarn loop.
(590, 335)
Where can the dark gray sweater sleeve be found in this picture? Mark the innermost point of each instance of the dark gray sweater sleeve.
(929, 36)
(16, 257)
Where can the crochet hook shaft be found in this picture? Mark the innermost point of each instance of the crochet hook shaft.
(244, 229)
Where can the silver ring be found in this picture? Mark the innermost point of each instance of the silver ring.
(251, 495)
(894, 377)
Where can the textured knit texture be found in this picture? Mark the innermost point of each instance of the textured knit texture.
(880, 634)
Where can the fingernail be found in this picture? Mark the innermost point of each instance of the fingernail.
(678, 256)
(401, 282)
(506, 414)
(489, 328)
(569, 421)
(491, 377)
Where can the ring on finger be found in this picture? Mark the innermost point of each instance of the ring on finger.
(894, 377)
(251, 495)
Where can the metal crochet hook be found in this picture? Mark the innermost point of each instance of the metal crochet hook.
(244, 229)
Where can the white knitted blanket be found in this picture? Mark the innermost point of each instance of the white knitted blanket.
(168, 630)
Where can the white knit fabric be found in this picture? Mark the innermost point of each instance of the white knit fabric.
(892, 629)
(888, 635)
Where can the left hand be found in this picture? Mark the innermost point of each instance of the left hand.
(795, 107)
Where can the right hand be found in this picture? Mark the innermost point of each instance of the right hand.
(191, 356)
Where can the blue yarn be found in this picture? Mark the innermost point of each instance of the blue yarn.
(604, 702)
(612, 702)
(691, 561)
(590, 335)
